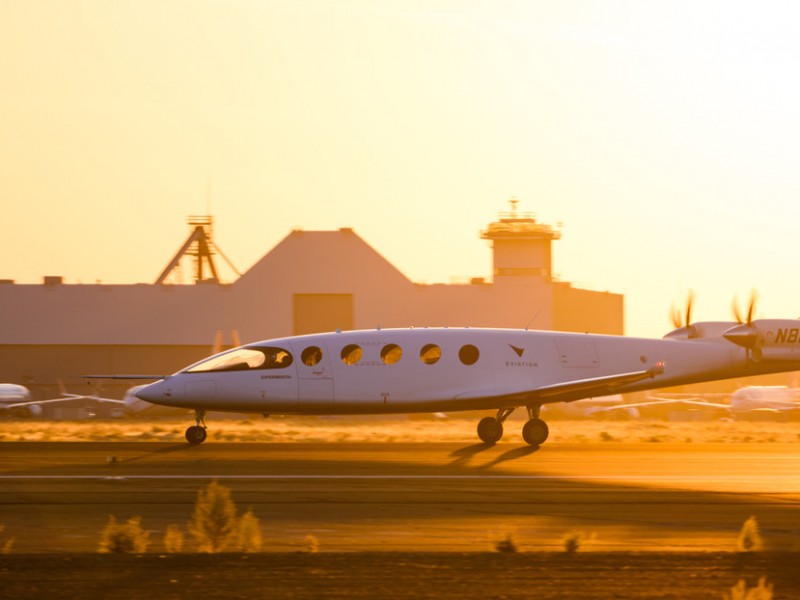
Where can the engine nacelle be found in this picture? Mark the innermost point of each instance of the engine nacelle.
(700, 330)
(768, 339)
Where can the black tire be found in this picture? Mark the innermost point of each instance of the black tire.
(490, 430)
(535, 432)
(196, 435)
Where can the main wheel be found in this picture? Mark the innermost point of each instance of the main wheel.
(196, 435)
(535, 432)
(490, 430)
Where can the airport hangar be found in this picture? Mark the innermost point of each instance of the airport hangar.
(312, 281)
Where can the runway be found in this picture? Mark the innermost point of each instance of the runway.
(56, 497)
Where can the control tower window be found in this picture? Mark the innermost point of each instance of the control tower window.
(245, 359)
(391, 353)
(469, 354)
(351, 354)
(430, 354)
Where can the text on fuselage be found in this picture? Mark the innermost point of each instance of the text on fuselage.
(787, 336)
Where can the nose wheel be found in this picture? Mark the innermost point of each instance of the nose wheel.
(196, 434)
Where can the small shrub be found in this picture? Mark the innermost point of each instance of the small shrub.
(214, 523)
(312, 544)
(506, 545)
(248, 537)
(124, 538)
(763, 591)
(750, 537)
(572, 542)
(6, 547)
(173, 539)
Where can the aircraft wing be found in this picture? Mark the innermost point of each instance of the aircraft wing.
(71, 398)
(656, 401)
(569, 391)
(593, 387)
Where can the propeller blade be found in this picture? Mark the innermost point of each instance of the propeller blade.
(752, 308)
(736, 314)
(684, 320)
(216, 347)
(689, 305)
(675, 315)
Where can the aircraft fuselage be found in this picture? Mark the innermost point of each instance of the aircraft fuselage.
(444, 369)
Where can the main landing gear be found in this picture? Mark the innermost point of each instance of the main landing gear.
(534, 432)
(196, 434)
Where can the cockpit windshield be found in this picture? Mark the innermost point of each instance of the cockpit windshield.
(245, 359)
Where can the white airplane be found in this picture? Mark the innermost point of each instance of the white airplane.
(589, 407)
(12, 395)
(747, 399)
(17, 400)
(446, 369)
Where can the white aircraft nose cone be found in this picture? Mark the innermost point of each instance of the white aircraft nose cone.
(160, 392)
(148, 393)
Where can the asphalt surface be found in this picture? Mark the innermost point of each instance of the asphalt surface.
(57, 497)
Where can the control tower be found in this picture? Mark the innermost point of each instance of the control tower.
(521, 246)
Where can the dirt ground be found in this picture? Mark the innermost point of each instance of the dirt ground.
(298, 576)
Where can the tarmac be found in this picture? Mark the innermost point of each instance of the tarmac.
(410, 497)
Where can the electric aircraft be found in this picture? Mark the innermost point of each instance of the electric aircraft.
(385, 371)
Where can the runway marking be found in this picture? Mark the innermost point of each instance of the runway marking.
(655, 478)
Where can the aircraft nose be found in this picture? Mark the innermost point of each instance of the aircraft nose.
(160, 392)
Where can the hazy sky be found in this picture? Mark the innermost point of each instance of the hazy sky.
(665, 136)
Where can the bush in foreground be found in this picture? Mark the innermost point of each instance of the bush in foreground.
(750, 539)
(213, 523)
(124, 538)
(173, 539)
(506, 545)
(5, 547)
(763, 591)
(248, 535)
(215, 526)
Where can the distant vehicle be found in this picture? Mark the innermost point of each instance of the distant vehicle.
(445, 370)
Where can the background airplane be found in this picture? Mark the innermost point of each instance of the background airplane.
(747, 399)
(16, 400)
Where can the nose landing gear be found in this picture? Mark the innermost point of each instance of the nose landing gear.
(196, 434)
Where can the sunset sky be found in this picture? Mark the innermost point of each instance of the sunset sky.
(664, 136)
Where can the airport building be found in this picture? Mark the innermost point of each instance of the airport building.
(311, 281)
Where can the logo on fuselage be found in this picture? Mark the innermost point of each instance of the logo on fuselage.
(520, 363)
(787, 336)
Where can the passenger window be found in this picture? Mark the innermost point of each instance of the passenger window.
(245, 359)
(391, 353)
(311, 356)
(469, 354)
(430, 354)
(351, 354)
